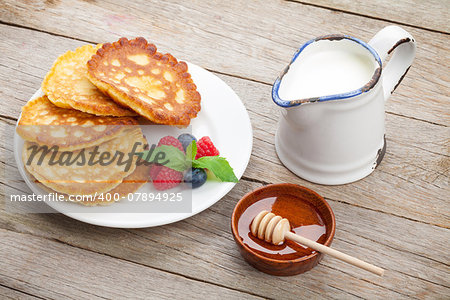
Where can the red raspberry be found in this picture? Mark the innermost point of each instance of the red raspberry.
(171, 141)
(163, 177)
(167, 178)
(154, 170)
(205, 147)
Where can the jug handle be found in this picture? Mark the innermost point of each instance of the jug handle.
(395, 40)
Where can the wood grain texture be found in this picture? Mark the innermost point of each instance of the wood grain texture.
(415, 267)
(222, 36)
(431, 14)
(202, 247)
(380, 218)
(417, 171)
(12, 294)
(88, 275)
(407, 183)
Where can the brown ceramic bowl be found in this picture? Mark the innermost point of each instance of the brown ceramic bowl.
(276, 266)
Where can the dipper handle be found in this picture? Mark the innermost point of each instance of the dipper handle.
(274, 229)
(332, 252)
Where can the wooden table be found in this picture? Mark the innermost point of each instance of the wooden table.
(397, 218)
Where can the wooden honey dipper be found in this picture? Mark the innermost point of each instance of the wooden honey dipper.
(275, 229)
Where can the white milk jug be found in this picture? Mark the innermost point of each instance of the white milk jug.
(333, 91)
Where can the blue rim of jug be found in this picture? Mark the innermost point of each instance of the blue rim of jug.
(332, 37)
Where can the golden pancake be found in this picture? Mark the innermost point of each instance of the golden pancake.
(80, 172)
(130, 184)
(154, 85)
(67, 86)
(44, 123)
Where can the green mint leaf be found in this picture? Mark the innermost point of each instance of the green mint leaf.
(218, 165)
(147, 155)
(191, 151)
(168, 156)
(175, 157)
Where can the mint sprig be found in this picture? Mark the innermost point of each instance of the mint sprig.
(175, 159)
(191, 151)
(168, 156)
(218, 165)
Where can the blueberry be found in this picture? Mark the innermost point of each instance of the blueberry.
(195, 177)
(186, 139)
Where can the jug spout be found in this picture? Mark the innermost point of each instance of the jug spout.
(287, 103)
(331, 67)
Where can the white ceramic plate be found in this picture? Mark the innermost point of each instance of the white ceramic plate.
(223, 117)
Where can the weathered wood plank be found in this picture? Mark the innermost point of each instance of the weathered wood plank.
(369, 229)
(375, 216)
(222, 36)
(28, 263)
(202, 247)
(417, 171)
(410, 182)
(8, 293)
(432, 14)
(396, 239)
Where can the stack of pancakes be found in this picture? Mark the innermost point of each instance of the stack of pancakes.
(92, 98)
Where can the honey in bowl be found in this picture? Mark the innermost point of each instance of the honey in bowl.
(304, 218)
(303, 208)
